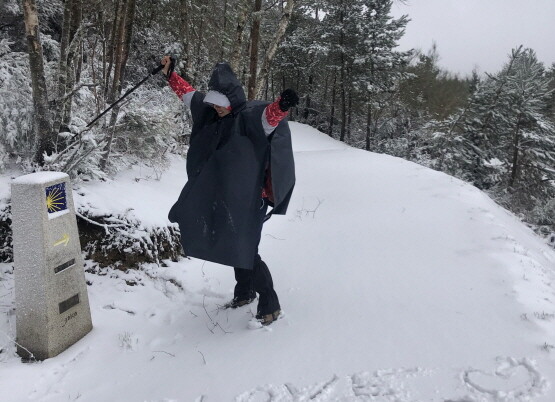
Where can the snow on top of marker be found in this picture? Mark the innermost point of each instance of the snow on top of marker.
(40, 178)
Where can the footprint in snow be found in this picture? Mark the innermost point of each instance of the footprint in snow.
(113, 307)
(210, 293)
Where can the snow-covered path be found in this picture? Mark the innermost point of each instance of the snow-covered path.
(398, 283)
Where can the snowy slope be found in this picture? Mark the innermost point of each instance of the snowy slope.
(398, 283)
(136, 192)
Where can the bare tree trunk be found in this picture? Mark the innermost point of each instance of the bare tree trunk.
(105, 51)
(272, 87)
(306, 111)
(113, 44)
(282, 27)
(324, 98)
(117, 52)
(332, 112)
(184, 34)
(94, 77)
(343, 102)
(326, 87)
(342, 75)
(125, 34)
(116, 57)
(75, 38)
(368, 125)
(235, 59)
(255, 38)
(350, 114)
(57, 104)
(80, 56)
(44, 136)
(104, 69)
(128, 29)
(266, 89)
(224, 42)
(200, 39)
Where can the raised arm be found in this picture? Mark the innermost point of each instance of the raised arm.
(182, 88)
(275, 112)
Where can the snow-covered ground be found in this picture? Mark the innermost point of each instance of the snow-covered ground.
(398, 283)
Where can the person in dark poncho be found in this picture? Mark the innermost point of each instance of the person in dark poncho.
(239, 164)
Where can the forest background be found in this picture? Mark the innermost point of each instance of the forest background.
(63, 62)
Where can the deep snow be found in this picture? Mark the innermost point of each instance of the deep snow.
(398, 283)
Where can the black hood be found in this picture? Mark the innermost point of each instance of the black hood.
(223, 80)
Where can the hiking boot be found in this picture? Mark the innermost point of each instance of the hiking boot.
(238, 302)
(267, 319)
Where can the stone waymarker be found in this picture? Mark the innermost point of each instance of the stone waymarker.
(51, 300)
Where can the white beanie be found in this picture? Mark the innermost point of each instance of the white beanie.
(217, 98)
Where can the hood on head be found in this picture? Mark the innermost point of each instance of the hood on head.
(217, 98)
(223, 80)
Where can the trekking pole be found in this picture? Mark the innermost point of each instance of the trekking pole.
(153, 72)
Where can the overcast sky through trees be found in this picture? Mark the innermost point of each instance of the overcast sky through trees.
(479, 33)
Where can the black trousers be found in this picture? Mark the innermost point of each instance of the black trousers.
(258, 279)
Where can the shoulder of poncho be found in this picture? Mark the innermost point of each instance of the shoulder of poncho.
(254, 107)
(257, 103)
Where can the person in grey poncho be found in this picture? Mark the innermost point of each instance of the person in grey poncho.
(239, 164)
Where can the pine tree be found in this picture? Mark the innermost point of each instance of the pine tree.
(343, 38)
(382, 63)
(530, 148)
(301, 63)
(503, 140)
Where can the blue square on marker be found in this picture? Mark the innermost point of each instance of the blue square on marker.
(56, 198)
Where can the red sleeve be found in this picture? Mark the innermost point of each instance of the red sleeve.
(179, 85)
(274, 114)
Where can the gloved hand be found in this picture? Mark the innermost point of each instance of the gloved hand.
(289, 99)
(169, 64)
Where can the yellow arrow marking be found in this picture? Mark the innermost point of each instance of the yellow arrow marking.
(64, 239)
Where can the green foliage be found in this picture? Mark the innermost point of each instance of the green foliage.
(434, 93)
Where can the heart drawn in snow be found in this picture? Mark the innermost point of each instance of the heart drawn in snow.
(512, 379)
